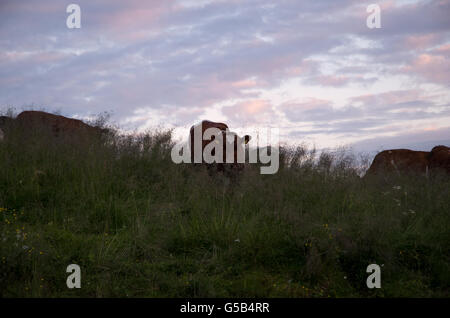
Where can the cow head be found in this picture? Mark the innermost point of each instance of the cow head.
(234, 147)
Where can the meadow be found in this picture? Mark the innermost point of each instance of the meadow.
(139, 225)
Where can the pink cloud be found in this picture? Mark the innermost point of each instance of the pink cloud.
(248, 83)
(212, 89)
(255, 106)
(332, 80)
(389, 98)
(443, 49)
(431, 128)
(305, 67)
(134, 20)
(424, 41)
(133, 17)
(433, 67)
(12, 7)
(298, 110)
(308, 104)
(31, 56)
(254, 111)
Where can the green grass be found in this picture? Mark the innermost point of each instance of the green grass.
(140, 226)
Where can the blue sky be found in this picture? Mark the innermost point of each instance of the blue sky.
(311, 68)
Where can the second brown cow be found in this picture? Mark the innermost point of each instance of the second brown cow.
(405, 161)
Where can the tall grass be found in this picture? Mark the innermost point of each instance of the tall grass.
(140, 226)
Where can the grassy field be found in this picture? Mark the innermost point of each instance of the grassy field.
(140, 226)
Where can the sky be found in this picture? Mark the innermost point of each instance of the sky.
(311, 68)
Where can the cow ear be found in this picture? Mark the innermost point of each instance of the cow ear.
(247, 139)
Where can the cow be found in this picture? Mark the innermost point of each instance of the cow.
(400, 162)
(439, 159)
(59, 125)
(35, 122)
(231, 144)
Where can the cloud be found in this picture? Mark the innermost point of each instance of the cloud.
(423, 140)
(255, 111)
(433, 66)
(421, 41)
(175, 62)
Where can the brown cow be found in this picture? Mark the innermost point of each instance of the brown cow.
(230, 140)
(400, 161)
(439, 159)
(58, 126)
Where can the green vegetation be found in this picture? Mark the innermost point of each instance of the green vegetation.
(140, 226)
